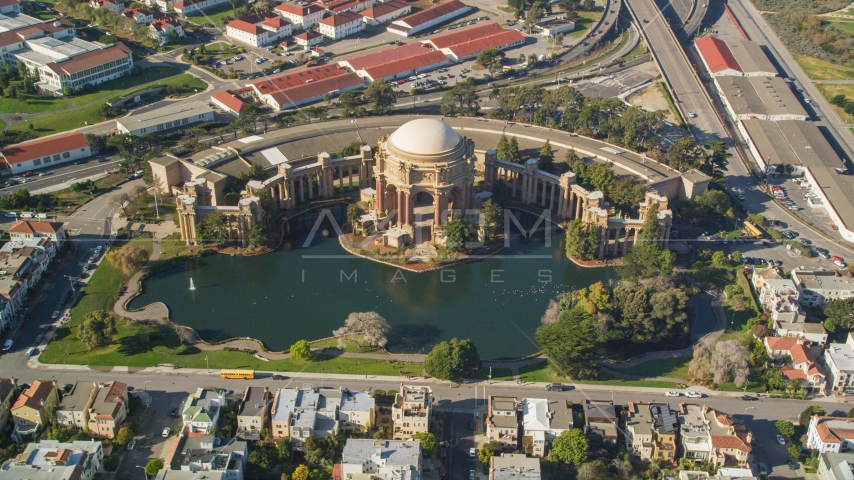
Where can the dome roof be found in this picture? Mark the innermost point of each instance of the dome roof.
(425, 138)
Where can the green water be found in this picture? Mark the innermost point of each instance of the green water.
(306, 292)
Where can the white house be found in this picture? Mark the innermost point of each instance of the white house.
(385, 12)
(391, 459)
(417, 22)
(543, 420)
(816, 288)
(814, 332)
(555, 26)
(175, 115)
(839, 358)
(780, 298)
(162, 28)
(55, 460)
(342, 25)
(202, 409)
(140, 16)
(28, 230)
(830, 434)
(23, 157)
(308, 38)
(301, 16)
(112, 6)
(195, 7)
(258, 30)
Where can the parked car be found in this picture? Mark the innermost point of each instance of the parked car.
(673, 393)
(472, 452)
(54, 315)
(166, 432)
(749, 398)
(781, 440)
(554, 387)
(693, 394)
(131, 444)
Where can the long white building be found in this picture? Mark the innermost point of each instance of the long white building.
(259, 30)
(342, 25)
(166, 118)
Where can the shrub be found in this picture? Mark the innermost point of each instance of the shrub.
(111, 462)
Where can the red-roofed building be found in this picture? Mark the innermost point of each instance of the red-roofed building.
(22, 229)
(140, 15)
(342, 25)
(258, 30)
(419, 21)
(29, 410)
(305, 86)
(109, 409)
(717, 57)
(229, 102)
(463, 35)
(830, 434)
(301, 16)
(27, 156)
(194, 7)
(471, 48)
(308, 38)
(804, 366)
(92, 67)
(341, 6)
(10, 6)
(385, 12)
(399, 62)
(161, 29)
(111, 5)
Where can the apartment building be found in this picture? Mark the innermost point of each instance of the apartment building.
(817, 288)
(830, 434)
(542, 421)
(836, 466)
(254, 413)
(839, 358)
(651, 430)
(302, 16)
(357, 412)
(514, 466)
(29, 409)
(342, 25)
(109, 409)
(8, 386)
(502, 421)
(20, 270)
(23, 157)
(163, 29)
(600, 421)
(305, 412)
(259, 29)
(196, 7)
(73, 408)
(711, 436)
(411, 411)
(139, 15)
(812, 332)
(54, 460)
(804, 366)
(28, 230)
(694, 436)
(197, 452)
(202, 409)
(386, 459)
(779, 297)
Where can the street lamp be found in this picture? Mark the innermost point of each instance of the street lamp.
(143, 385)
(143, 471)
(207, 364)
(748, 408)
(357, 129)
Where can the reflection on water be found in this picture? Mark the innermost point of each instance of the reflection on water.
(305, 293)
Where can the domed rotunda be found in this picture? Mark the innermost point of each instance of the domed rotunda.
(423, 170)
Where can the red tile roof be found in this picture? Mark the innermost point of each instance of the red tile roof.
(276, 22)
(247, 27)
(835, 434)
(23, 152)
(387, 55)
(8, 3)
(308, 90)
(134, 12)
(26, 226)
(347, 5)
(782, 343)
(116, 391)
(287, 80)
(502, 39)
(425, 59)
(231, 101)
(35, 396)
(307, 35)
(383, 9)
(90, 59)
(465, 35)
(415, 19)
(162, 23)
(342, 18)
(716, 54)
(299, 10)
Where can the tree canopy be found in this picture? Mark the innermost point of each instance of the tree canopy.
(582, 241)
(372, 327)
(570, 344)
(454, 360)
(97, 329)
(570, 447)
(300, 350)
(647, 259)
(382, 94)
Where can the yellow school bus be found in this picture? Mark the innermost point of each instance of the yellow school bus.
(244, 374)
(753, 230)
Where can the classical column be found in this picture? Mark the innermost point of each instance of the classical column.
(579, 205)
(515, 183)
(400, 208)
(545, 189)
(380, 201)
(436, 208)
(469, 196)
(603, 232)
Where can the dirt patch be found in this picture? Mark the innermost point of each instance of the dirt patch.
(651, 99)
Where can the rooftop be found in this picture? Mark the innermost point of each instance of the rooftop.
(750, 57)
(172, 113)
(498, 40)
(393, 54)
(463, 35)
(29, 227)
(770, 96)
(35, 396)
(842, 355)
(802, 327)
(26, 151)
(381, 9)
(511, 466)
(110, 399)
(254, 402)
(356, 402)
(90, 59)
(822, 280)
(382, 452)
(424, 59)
(415, 19)
(52, 460)
(342, 18)
(78, 399)
(716, 54)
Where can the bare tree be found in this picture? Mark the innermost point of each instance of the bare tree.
(120, 200)
(720, 361)
(370, 325)
(137, 191)
(130, 258)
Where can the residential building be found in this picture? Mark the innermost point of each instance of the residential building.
(762, 275)
(292, 89)
(730, 441)
(600, 421)
(176, 115)
(816, 288)
(5, 317)
(166, 474)
(340, 6)
(396, 62)
(514, 466)
(385, 459)
(830, 434)
(385, 12)
(73, 408)
(739, 58)
(54, 460)
(20, 270)
(308, 38)
(254, 413)
(555, 26)
(196, 7)
(140, 15)
(195, 452)
(202, 409)
(780, 299)
(804, 366)
(8, 387)
(29, 409)
(836, 466)
(651, 430)
(109, 409)
(10, 6)
(163, 29)
(37, 243)
(839, 358)
(542, 421)
(23, 157)
(259, 29)
(813, 332)
(357, 412)
(111, 5)
(502, 421)
(411, 411)
(230, 101)
(463, 44)
(412, 24)
(694, 436)
(306, 412)
(27, 230)
(302, 16)
(342, 25)
(763, 98)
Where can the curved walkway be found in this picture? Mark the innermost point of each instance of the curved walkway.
(155, 312)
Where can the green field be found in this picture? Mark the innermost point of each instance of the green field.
(587, 20)
(61, 122)
(213, 16)
(820, 70)
(545, 373)
(193, 84)
(668, 367)
(847, 27)
(113, 87)
(829, 91)
(32, 104)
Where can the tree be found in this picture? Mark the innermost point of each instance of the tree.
(720, 361)
(119, 200)
(533, 16)
(381, 93)
(594, 470)
(300, 350)
(283, 450)
(370, 325)
(805, 416)
(301, 473)
(841, 312)
(785, 427)
(258, 460)
(461, 99)
(124, 435)
(850, 413)
(428, 443)
(737, 257)
(488, 451)
(570, 447)
(547, 157)
(502, 150)
(213, 228)
(582, 240)
(719, 259)
(153, 466)
(489, 57)
(353, 215)
(491, 216)
(97, 329)
(258, 236)
(774, 379)
(513, 151)
(129, 258)
(570, 344)
(454, 360)
(601, 177)
(647, 259)
(457, 233)
(111, 462)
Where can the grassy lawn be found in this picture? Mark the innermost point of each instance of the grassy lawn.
(182, 42)
(669, 367)
(544, 373)
(2, 124)
(352, 347)
(820, 70)
(115, 86)
(499, 374)
(32, 104)
(61, 122)
(639, 50)
(847, 27)
(213, 16)
(193, 84)
(829, 91)
(586, 20)
(172, 246)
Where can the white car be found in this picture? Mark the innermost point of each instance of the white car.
(12, 215)
(781, 440)
(673, 393)
(7, 345)
(54, 315)
(472, 452)
(693, 394)
(166, 432)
